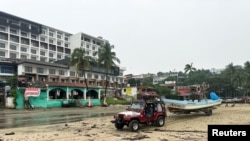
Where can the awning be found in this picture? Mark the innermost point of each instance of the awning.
(32, 92)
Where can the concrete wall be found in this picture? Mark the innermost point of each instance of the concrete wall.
(10, 102)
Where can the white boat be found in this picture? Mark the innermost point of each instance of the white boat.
(187, 106)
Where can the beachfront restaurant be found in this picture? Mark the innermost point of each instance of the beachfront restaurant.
(58, 96)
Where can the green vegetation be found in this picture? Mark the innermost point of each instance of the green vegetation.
(115, 101)
(14, 95)
(107, 59)
(81, 62)
(12, 82)
(233, 81)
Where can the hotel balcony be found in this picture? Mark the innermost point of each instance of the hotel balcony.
(56, 80)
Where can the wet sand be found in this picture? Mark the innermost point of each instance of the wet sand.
(191, 127)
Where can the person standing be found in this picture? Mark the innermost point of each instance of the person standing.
(27, 104)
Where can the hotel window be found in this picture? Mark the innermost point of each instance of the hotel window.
(12, 55)
(7, 69)
(42, 39)
(44, 31)
(24, 34)
(42, 53)
(2, 53)
(43, 45)
(66, 38)
(108, 78)
(41, 78)
(50, 41)
(23, 56)
(51, 59)
(61, 72)
(13, 31)
(34, 43)
(3, 29)
(59, 49)
(80, 74)
(96, 76)
(121, 80)
(93, 48)
(51, 47)
(28, 69)
(12, 47)
(72, 73)
(33, 36)
(14, 39)
(102, 76)
(3, 37)
(59, 36)
(51, 34)
(40, 70)
(59, 56)
(33, 58)
(66, 45)
(51, 55)
(87, 39)
(52, 71)
(23, 49)
(59, 43)
(25, 41)
(87, 46)
(33, 51)
(43, 59)
(2, 45)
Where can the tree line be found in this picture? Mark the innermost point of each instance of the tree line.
(232, 81)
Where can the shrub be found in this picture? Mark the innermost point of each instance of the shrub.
(115, 101)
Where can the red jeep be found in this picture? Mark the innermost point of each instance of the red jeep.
(141, 112)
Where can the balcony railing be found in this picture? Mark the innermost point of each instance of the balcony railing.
(44, 84)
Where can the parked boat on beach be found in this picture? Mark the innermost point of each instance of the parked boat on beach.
(193, 105)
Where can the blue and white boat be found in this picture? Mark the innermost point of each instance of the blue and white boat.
(194, 105)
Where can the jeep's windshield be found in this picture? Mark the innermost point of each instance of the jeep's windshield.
(137, 106)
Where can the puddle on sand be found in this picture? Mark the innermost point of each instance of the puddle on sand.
(42, 119)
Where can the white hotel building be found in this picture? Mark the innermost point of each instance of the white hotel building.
(41, 54)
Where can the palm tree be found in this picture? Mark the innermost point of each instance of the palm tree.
(81, 62)
(231, 76)
(247, 76)
(107, 59)
(189, 68)
(247, 73)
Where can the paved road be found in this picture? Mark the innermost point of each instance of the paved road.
(10, 118)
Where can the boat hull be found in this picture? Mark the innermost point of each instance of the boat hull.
(178, 105)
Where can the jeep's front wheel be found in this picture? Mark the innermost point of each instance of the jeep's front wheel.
(160, 121)
(119, 126)
(134, 125)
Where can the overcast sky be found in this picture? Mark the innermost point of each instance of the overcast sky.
(152, 35)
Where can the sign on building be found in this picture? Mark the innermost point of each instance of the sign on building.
(32, 92)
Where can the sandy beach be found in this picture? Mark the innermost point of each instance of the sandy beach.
(191, 127)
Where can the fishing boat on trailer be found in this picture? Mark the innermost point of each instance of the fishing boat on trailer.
(194, 103)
